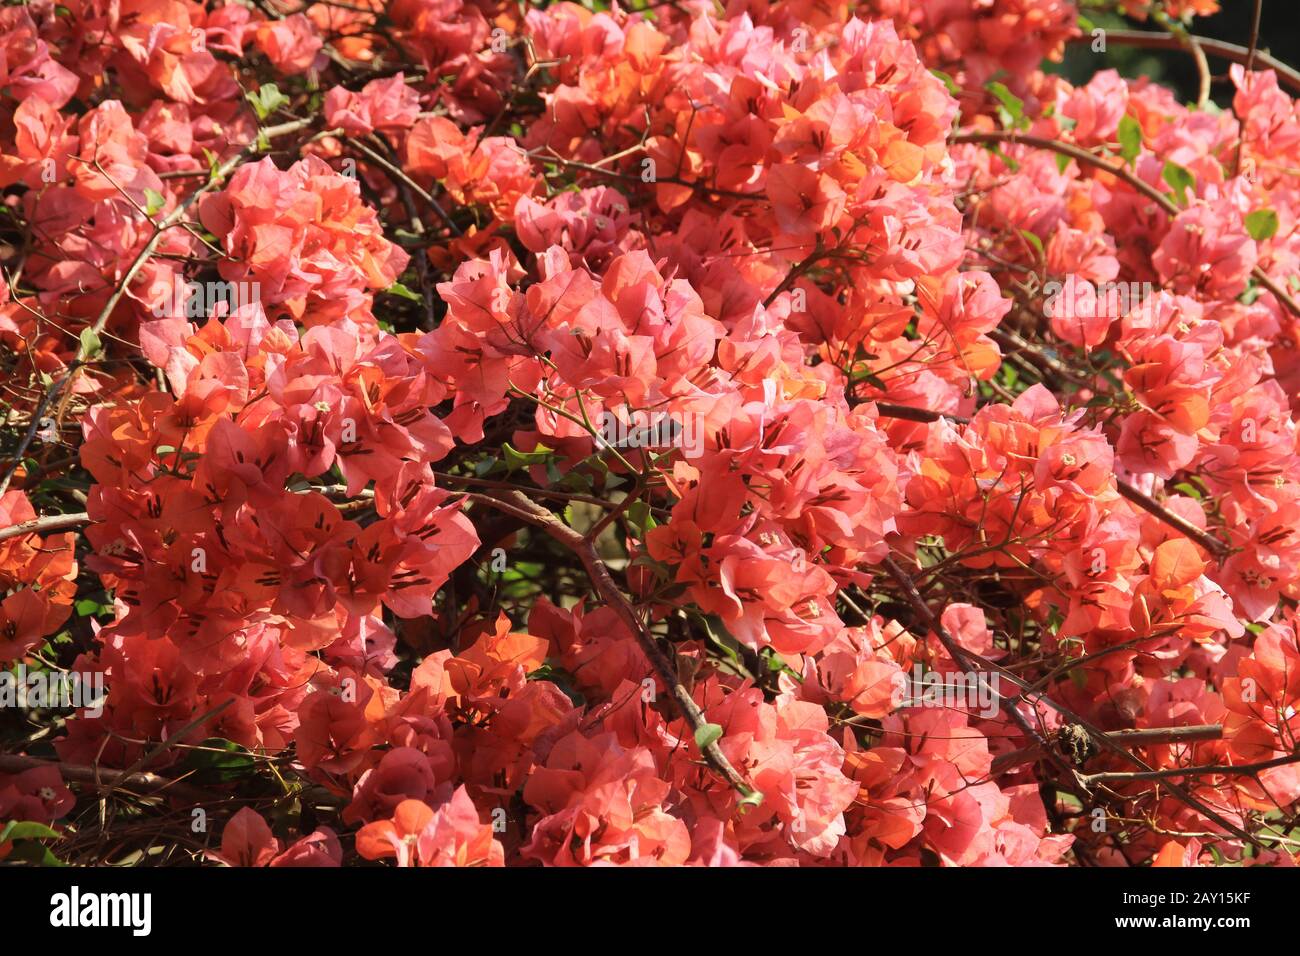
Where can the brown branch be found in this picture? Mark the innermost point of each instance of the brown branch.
(1178, 523)
(148, 784)
(1249, 769)
(697, 187)
(1231, 52)
(964, 659)
(44, 525)
(171, 741)
(1139, 737)
(175, 216)
(1250, 66)
(404, 181)
(145, 254)
(910, 414)
(1043, 365)
(1193, 46)
(1202, 69)
(521, 506)
(30, 435)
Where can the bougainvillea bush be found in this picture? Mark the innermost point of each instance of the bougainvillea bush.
(482, 433)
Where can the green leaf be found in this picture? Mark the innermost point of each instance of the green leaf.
(88, 607)
(708, 734)
(37, 854)
(153, 201)
(1012, 164)
(266, 100)
(217, 760)
(554, 476)
(1062, 161)
(26, 830)
(1033, 240)
(398, 289)
(1262, 224)
(1130, 138)
(1180, 179)
(777, 665)
(90, 344)
(948, 81)
(868, 376)
(516, 459)
(1012, 112)
(640, 518)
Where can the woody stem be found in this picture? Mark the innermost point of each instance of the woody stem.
(522, 507)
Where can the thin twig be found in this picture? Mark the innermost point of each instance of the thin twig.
(150, 784)
(1286, 76)
(150, 247)
(524, 508)
(1177, 522)
(1248, 769)
(399, 177)
(1098, 736)
(1139, 737)
(1250, 66)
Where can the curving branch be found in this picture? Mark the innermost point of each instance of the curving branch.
(1209, 770)
(521, 506)
(1152, 40)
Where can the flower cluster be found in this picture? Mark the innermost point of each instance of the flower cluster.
(783, 435)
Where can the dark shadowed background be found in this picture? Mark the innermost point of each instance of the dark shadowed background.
(1279, 35)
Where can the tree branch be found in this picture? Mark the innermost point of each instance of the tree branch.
(149, 784)
(521, 506)
(1202, 771)
(172, 218)
(1286, 76)
(45, 525)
